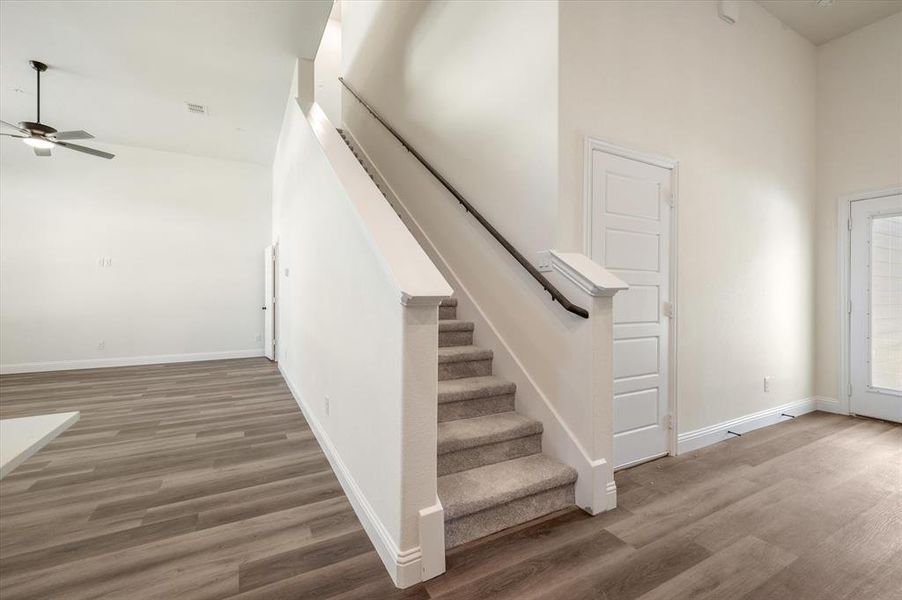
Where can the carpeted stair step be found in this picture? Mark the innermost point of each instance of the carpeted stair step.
(474, 397)
(456, 362)
(448, 309)
(452, 332)
(481, 501)
(471, 443)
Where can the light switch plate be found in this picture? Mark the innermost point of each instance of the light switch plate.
(544, 261)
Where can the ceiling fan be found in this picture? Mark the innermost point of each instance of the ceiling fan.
(43, 137)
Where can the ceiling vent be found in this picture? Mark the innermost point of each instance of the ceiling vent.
(197, 109)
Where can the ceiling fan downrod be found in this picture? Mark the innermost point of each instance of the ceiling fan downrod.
(39, 68)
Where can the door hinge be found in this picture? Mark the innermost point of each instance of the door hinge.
(850, 307)
(850, 390)
(668, 421)
(667, 309)
(670, 198)
(849, 222)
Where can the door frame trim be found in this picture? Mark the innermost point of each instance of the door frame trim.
(673, 165)
(843, 282)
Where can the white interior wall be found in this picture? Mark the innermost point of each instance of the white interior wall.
(735, 106)
(465, 82)
(184, 236)
(357, 336)
(859, 149)
(484, 114)
(327, 67)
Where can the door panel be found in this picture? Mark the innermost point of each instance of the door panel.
(635, 357)
(635, 410)
(875, 321)
(269, 293)
(630, 236)
(634, 251)
(638, 304)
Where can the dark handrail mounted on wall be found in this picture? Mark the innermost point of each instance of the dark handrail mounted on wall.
(556, 295)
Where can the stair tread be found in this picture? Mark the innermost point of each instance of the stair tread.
(449, 301)
(449, 354)
(467, 492)
(488, 429)
(455, 325)
(469, 388)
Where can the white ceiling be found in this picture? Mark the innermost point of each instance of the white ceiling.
(124, 70)
(820, 24)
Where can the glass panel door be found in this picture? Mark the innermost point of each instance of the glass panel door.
(886, 302)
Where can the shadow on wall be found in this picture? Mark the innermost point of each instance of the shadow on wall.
(475, 94)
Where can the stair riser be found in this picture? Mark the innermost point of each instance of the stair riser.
(447, 312)
(470, 458)
(476, 407)
(455, 338)
(464, 368)
(483, 523)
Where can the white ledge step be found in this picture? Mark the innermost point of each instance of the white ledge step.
(452, 354)
(479, 431)
(474, 490)
(470, 388)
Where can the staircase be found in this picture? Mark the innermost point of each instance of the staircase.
(491, 471)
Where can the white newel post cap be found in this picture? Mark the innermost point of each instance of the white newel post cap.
(586, 274)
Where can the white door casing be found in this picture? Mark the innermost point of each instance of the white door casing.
(269, 295)
(875, 310)
(629, 231)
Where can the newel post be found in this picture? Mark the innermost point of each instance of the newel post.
(593, 341)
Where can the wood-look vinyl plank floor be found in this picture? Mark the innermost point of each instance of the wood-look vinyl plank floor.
(203, 481)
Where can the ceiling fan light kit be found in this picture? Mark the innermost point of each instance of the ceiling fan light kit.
(42, 138)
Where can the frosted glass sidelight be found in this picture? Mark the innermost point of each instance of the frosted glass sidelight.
(886, 302)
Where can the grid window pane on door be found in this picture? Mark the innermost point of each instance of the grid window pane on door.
(886, 303)
(630, 236)
(874, 338)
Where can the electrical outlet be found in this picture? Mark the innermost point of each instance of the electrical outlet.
(101, 345)
(767, 383)
(326, 404)
(287, 272)
(258, 338)
(544, 261)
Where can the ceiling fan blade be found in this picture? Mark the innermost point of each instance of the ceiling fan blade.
(41, 151)
(71, 135)
(13, 135)
(16, 127)
(86, 150)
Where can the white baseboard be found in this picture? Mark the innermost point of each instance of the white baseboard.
(125, 361)
(693, 440)
(404, 567)
(827, 404)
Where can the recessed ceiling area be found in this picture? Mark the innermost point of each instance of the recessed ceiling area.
(126, 71)
(822, 21)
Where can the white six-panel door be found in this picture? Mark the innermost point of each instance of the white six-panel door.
(875, 316)
(630, 234)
